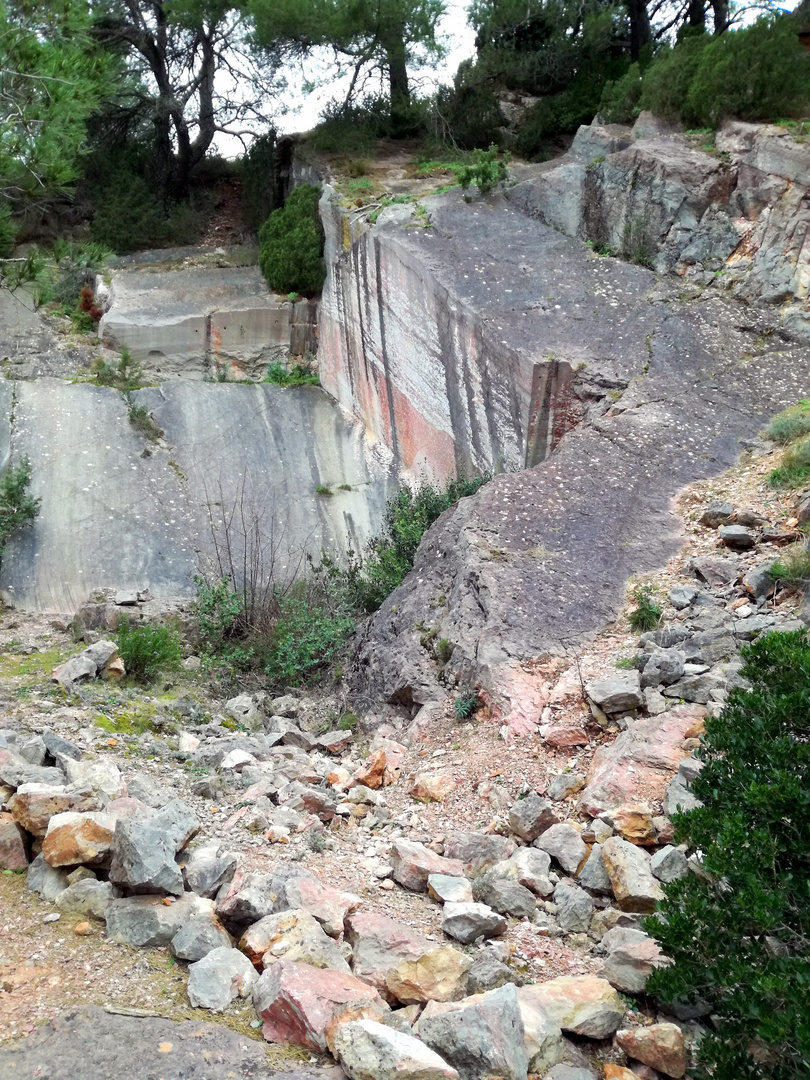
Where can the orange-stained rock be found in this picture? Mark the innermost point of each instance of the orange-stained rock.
(74, 839)
(617, 1072)
(372, 771)
(660, 1046)
(634, 822)
(561, 736)
(114, 670)
(33, 809)
(432, 787)
(83, 929)
(440, 974)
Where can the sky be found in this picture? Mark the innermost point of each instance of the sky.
(455, 33)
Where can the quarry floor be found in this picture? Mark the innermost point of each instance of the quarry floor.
(47, 969)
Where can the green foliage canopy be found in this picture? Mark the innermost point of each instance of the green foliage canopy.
(52, 78)
(739, 932)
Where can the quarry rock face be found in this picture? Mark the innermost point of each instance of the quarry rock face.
(146, 503)
(197, 322)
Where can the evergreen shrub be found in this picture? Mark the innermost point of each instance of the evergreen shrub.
(291, 244)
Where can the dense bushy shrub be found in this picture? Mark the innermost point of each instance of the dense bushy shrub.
(759, 72)
(291, 244)
(8, 231)
(148, 650)
(738, 932)
(259, 182)
(467, 114)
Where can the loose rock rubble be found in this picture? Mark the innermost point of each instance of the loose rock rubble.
(420, 954)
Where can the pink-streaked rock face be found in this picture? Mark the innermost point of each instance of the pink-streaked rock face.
(305, 1006)
(581, 1004)
(413, 863)
(638, 766)
(379, 943)
(660, 1046)
(329, 906)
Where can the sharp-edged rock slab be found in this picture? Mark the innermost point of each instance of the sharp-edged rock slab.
(438, 975)
(413, 864)
(368, 1050)
(200, 936)
(482, 1037)
(221, 976)
(580, 1004)
(467, 922)
(631, 877)
(641, 762)
(147, 920)
(291, 935)
(660, 1046)
(74, 839)
(379, 944)
(304, 1006)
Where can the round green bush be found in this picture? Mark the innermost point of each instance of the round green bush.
(291, 244)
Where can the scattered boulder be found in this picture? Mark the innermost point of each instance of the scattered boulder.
(488, 973)
(296, 888)
(34, 805)
(716, 513)
(46, 881)
(641, 761)
(737, 537)
(628, 966)
(244, 711)
(531, 816)
(207, 868)
(564, 785)
(75, 839)
(200, 936)
(581, 1004)
(246, 898)
(379, 944)
(368, 1050)
(531, 868)
(449, 890)
(507, 896)
(13, 854)
(634, 822)
(222, 975)
(440, 974)
(565, 844)
(574, 908)
(413, 863)
(467, 922)
(99, 777)
(481, 1038)
(664, 666)
(142, 786)
(432, 787)
(616, 694)
(593, 874)
(477, 851)
(291, 935)
(715, 570)
(668, 864)
(302, 1005)
(144, 849)
(87, 897)
(90, 663)
(660, 1046)
(147, 920)
(542, 1035)
(630, 875)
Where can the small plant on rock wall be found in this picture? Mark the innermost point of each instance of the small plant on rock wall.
(466, 704)
(488, 169)
(647, 614)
